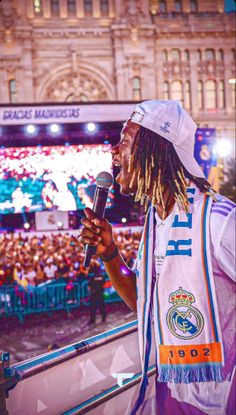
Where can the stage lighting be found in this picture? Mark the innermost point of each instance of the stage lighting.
(223, 147)
(91, 127)
(26, 225)
(55, 128)
(123, 220)
(31, 129)
(60, 224)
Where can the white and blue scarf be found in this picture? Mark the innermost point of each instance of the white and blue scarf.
(186, 323)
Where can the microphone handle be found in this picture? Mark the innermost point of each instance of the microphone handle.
(99, 205)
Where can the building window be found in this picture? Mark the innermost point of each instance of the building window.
(193, 6)
(88, 7)
(221, 55)
(178, 6)
(104, 7)
(166, 90)
(175, 55)
(12, 90)
(233, 54)
(162, 6)
(136, 88)
(200, 94)
(165, 55)
(199, 55)
(221, 98)
(187, 96)
(55, 8)
(233, 94)
(177, 91)
(210, 55)
(210, 95)
(71, 7)
(186, 55)
(38, 7)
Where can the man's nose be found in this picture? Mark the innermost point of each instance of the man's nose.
(115, 150)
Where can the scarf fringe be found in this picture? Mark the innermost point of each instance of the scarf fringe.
(210, 373)
(141, 396)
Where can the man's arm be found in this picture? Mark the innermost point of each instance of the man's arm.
(123, 280)
(98, 232)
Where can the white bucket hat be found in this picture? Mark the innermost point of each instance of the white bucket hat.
(171, 121)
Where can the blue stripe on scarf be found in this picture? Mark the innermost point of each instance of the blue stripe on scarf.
(146, 275)
(144, 382)
(147, 349)
(206, 267)
(158, 316)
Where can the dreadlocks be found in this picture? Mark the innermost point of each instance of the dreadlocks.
(157, 166)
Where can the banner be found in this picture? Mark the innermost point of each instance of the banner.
(52, 220)
(205, 154)
(47, 114)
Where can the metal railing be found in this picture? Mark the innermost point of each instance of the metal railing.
(19, 301)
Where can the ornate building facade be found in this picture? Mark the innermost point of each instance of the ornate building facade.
(119, 50)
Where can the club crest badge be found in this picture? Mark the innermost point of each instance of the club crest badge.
(183, 320)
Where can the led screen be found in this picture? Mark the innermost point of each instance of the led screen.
(56, 177)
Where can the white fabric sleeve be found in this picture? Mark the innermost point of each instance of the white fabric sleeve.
(222, 231)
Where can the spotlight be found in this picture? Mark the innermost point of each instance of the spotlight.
(31, 129)
(91, 127)
(26, 225)
(55, 128)
(123, 220)
(223, 147)
(60, 224)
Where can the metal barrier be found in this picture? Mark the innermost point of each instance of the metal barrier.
(108, 298)
(45, 298)
(48, 297)
(81, 378)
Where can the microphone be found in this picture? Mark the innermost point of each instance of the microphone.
(104, 181)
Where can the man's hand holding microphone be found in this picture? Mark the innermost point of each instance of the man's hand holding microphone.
(97, 238)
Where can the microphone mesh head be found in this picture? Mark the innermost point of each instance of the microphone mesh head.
(104, 179)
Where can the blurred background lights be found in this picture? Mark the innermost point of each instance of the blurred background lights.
(223, 147)
(60, 224)
(26, 225)
(91, 127)
(55, 128)
(232, 80)
(30, 129)
(123, 220)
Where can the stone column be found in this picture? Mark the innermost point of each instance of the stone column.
(63, 9)
(30, 9)
(79, 9)
(111, 8)
(26, 64)
(96, 9)
(46, 8)
(193, 62)
(4, 92)
(227, 76)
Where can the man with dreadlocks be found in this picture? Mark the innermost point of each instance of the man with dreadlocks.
(182, 282)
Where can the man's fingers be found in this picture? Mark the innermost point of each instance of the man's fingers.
(90, 225)
(101, 224)
(98, 222)
(86, 233)
(89, 213)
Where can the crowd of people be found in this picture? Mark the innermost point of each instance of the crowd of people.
(32, 260)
